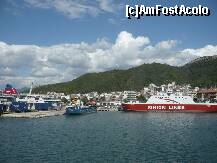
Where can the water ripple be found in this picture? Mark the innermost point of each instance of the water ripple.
(110, 137)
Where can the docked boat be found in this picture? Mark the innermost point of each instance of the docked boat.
(6, 100)
(1, 108)
(9, 90)
(170, 103)
(77, 110)
(33, 102)
(77, 107)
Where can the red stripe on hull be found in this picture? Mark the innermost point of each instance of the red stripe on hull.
(170, 107)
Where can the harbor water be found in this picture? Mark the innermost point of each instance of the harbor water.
(110, 137)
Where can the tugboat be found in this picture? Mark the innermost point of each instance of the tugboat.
(77, 108)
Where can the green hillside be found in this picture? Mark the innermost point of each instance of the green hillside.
(201, 72)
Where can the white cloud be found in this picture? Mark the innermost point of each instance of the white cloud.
(166, 44)
(76, 9)
(45, 72)
(6, 71)
(22, 64)
(208, 50)
(108, 5)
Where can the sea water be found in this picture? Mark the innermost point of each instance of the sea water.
(111, 137)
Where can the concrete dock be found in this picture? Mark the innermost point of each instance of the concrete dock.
(38, 114)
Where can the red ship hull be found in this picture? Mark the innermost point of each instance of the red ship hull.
(170, 107)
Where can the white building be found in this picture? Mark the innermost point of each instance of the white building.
(130, 95)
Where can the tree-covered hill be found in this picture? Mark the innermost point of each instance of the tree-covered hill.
(200, 72)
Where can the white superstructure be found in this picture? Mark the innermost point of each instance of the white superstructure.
(164, 98)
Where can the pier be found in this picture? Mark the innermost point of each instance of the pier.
(38, 114)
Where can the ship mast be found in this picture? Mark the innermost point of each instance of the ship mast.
(30, 91)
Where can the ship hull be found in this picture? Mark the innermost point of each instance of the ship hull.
(74, 110)
(169, 107)
(25, 107)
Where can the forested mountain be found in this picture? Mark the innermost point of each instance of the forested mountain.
(200, 72)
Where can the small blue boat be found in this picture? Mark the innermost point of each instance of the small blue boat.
(77, 110)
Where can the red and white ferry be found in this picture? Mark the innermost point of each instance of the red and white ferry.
(9, 90)
(170, 103)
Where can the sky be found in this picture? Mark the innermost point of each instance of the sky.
(50, 41)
